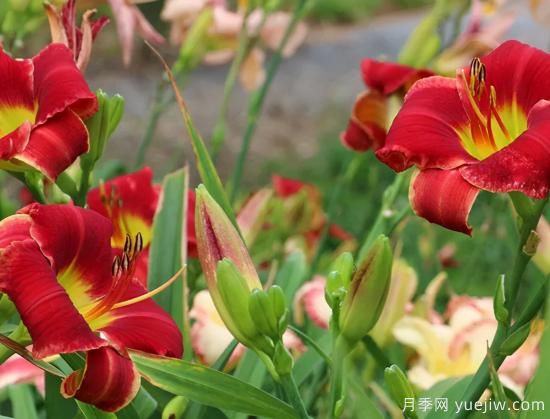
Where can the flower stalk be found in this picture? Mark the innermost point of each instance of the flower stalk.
(529, 214)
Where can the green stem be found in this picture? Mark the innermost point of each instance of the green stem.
(386, 220)
(340, 352)
(68, 186)
(530, 214)
(160, 103)
(377, 354)
(36, 190)
(246, 44)
(258, 99)
(312, 344)
(293, 395)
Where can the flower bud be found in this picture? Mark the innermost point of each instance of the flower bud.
(367, 293)
(399, 387)
(218, 239)
(233, 307)
(175, 408)
(282, 359)
(101, 126)
(261, 312)
(345, 266)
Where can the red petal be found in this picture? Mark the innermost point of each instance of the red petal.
(143, 326)
(191, 234)
(519, 73)
(443, 197)
(388, 77)
(13, 229)
(55, 145)
(134, 204)
(285, 187)
(367, 125)
(522, 166)
(77, 243)
(59, 84)
(423, 132)
(109, 380)
(15, 141)
(45, 308)
(16, 83)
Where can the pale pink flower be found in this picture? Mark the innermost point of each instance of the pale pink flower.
(18, 370)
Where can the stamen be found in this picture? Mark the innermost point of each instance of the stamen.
(138, 246)
(150, 293)
(115, 268)
(127, 243)
(493, 105)
(472, 101)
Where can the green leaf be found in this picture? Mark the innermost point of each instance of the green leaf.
(497, 388)
(22, 401)
(56, 405)
(168, 250)
(24, 353)
(90, 412)
(537, 391)
(451, 389)
(142, 407)
(209, 387)
(361, 401)
(205, 165)
(251, 370)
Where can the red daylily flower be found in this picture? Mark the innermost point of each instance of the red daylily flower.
(64, 30)
(369, 118)
(487, 129)
(58, 269)
(130, 202)
(42, 103)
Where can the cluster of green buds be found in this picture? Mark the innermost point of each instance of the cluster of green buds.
(357, 297)
(256, 318)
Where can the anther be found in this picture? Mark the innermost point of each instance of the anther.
(127, 243)
(115, 268)
(125, 262)
(138, 245)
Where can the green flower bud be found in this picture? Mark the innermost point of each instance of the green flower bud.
(367, 293)
(175, 408)
(499, 306)
(101, 126)
(345, 266)
(512, 343)
(233, 307)
(399, 388)
(261, 311)
(282, 359)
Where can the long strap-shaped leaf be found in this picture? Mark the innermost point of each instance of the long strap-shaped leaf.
(205, 166)
(208, 386)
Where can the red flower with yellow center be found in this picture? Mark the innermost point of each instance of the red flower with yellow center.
(370, 115)
(487, 129)
(130, 202)
(58, 269)
(42, 104)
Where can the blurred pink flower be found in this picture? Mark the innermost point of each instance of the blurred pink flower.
(17, 370)
(129, 19)
(223, 35)
(458, 346)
